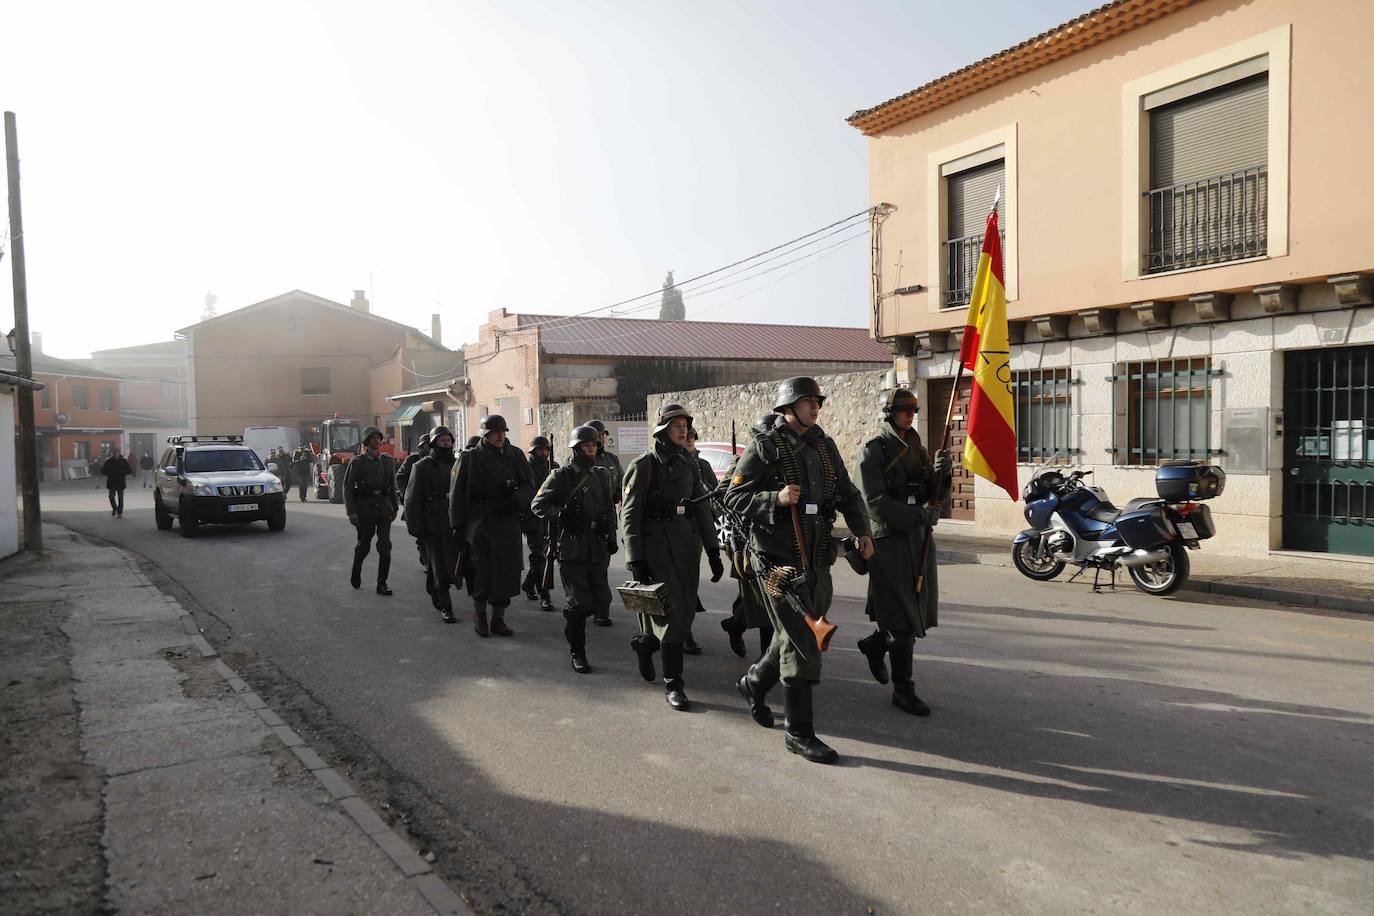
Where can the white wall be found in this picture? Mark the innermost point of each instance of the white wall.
(9, 499)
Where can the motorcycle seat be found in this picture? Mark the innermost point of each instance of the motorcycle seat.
(1104, 512)
(1142, 502)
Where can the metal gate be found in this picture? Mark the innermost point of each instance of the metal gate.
(1328, 448)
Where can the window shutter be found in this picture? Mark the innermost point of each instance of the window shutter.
(1211, 133)
(970, 196)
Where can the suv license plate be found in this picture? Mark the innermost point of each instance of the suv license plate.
(1187, 530)
(244, 507)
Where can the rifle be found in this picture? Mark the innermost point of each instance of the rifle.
(795, 588)
(550, 554)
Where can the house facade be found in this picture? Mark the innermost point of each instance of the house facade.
(1186, 257)
(76, 414)
(153, 393)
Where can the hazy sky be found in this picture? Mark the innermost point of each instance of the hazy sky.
(453, 156)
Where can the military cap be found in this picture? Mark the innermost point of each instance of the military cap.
(668, 413)
(495, 423)
(792, 390)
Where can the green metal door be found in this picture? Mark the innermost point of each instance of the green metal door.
(1328, 448)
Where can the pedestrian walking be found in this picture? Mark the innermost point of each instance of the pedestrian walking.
(664, 532)
(610, 461)
(302, 461)
(789, 484)
(491, 491)
(537, 529)
(403, 483)
(369, 490)
(145, 464)
(116, 470)
(902, 489)
(427, 518)
(747, 611)
(581, 497)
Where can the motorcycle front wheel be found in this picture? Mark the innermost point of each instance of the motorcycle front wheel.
(1031, 564)
(1165, 577)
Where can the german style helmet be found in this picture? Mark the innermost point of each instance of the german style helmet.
(792, 390)
(898, 399)
(581, 434)
(494, 423)
(667, 414)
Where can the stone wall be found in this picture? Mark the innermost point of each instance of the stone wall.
(850, 414)
(556, 423)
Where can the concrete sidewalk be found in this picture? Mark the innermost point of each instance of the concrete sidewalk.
(1304, 580)
(141, 774)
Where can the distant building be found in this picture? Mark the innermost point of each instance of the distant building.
(298, 358)
(608, 366)
(10, 383)
(153, 394)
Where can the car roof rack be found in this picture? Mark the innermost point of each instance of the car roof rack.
(182, 440)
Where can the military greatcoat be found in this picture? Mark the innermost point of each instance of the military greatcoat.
(536, 528)
(427, 518)
(898, 484)
(491, 491)
(582, 499)
(811, 461)
(663, 534)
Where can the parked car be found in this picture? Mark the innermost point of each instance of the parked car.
(215, 480)
(719, 455)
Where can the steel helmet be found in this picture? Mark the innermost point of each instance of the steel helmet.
(438, 431)
(792, 390)
(424, 440)
(668, 413)
(370, 432)
(896, 399)
(587, 433)
(473, 441)
(597, 425)
(692, 433)
(540, 441)
(494, 423)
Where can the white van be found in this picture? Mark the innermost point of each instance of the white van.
(262, 439)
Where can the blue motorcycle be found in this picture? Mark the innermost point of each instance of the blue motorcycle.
(1071, 522)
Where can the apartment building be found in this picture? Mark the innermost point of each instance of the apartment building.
(1187, 253)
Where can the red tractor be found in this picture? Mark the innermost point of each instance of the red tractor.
(340, 442)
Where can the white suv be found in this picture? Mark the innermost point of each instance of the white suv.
(215, 480)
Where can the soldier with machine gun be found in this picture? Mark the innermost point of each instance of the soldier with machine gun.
(369, 490)
(536, 529)
(577, 504)
(426, 517)
(788, 486)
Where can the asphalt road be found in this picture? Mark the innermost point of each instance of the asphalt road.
(1087, 753)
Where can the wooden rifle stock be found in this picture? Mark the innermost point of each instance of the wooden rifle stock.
(821, 628)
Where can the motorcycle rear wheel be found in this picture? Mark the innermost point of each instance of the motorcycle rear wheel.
(1165, 577)
(1041, 568)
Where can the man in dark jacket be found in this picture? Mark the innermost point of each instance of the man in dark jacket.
(403, 483)
(748, 610)
(903, 490)
(145, 464)
(581, 497)
(491, 491)
(426, 516)
(116, 470)
(788, 482)
(664, 534)
(369, 490)
(708, 480)
(302, 460)
(610, 461)
(536, 528)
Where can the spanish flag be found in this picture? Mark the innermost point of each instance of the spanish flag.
(990, 449)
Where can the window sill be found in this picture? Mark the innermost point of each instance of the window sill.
(1189, 270)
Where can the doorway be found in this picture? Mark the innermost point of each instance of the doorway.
(960, 503)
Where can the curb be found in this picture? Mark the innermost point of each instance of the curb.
(1207, 586)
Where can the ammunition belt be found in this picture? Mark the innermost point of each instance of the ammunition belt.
(791, 473)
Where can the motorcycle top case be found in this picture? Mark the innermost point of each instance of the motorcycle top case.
(1183, 481)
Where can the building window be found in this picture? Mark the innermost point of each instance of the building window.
(81, 398)
(45, 397)
(81, 450)
(107, 399)
(1042, 414)
(297, 326)
(315, 380)
(1209, 169)
(1167, 411)
(969, 195)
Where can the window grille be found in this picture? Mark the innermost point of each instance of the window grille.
(1042, 401)
(1168, 410)
(969, 196)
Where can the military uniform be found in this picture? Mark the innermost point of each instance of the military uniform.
(537, 529)
(900, 483)
(403, 483)
(302, 460)
(663, 539)
(369, 489)
(581, 497)
(491, 491)
(747, 611)
(427, 520)
(611, 462)
(770, 462)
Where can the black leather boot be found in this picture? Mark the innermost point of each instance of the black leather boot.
(528, 587)
(900, 647)
(674, 690)
(689, 644)
(801, 732)
(734, 629)
(754, 687)
(444, 603)
(644, 646)
(874, 648)
(479, 619)
(545, 603)
(355, 579)
(383, 568)
(575, 632)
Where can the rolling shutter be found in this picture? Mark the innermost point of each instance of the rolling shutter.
(970, 196)
(1212, 133)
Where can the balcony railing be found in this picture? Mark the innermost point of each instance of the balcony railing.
(1209, 221)
(961, 266)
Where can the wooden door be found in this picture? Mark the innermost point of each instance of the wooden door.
(960, 503)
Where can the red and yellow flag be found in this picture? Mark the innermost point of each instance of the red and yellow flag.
(990, 449)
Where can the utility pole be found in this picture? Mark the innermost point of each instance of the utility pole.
(23, 356)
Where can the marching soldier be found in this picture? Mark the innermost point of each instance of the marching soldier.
(536, 529)
(491, 491)
(403, 483)
(369, 489)
(748, 610)
(903, 490)
(610, 461)
(581, 496)
(426, 516)
(663, 536)
(301, 462)
(708, 479)
(790, 482)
